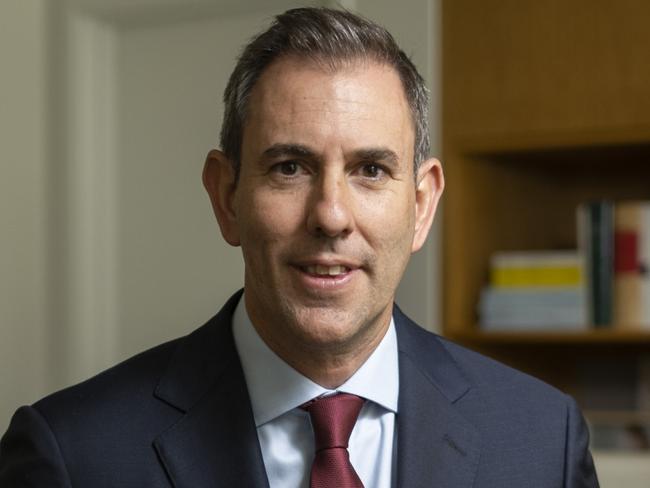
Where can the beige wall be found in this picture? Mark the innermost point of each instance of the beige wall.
(24, 332)
(174, 270)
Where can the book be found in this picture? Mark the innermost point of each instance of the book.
(536, 269)
(533, 308)
(595, 223)
(631, 265)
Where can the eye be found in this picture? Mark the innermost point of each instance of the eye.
(371, 170)
(287, 168)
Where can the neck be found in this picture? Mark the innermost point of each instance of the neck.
(331, 369)
(325, 363)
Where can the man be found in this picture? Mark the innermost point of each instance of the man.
(311, 376)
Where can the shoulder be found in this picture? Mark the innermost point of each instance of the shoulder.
(151, 380)
(486, 386)
(487, 373)
(113, 419)
(76, 432)
(523, 424)
(115, 395)
(515, 412)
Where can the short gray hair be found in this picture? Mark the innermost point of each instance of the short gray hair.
(331, 38)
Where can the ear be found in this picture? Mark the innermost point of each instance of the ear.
(220, 183)
(429, 186)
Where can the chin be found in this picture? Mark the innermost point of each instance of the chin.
(323, 327)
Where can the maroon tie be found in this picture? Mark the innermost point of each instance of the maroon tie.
(333, 418)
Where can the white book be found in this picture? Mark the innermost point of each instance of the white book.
(533, 309)
(533, 259)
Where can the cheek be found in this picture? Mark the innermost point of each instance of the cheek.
(389, 223)
(267, 219)
(395, 254)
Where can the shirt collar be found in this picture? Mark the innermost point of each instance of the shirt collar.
(276, 388)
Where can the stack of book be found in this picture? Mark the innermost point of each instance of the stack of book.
(615, 240)
(535, 290)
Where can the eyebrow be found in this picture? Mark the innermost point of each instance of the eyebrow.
(289, 150)
(381, 154)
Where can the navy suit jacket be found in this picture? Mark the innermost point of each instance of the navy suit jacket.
(179, 415)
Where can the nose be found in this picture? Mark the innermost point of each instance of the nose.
(330, 208)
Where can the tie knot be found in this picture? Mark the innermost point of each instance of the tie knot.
(333, 418)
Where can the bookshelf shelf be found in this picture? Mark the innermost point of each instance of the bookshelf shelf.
(604, 337)
(618, 416)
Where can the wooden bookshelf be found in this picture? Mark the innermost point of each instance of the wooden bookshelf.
(545, 106)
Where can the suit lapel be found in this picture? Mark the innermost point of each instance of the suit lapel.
(436, 446)
(214, 443)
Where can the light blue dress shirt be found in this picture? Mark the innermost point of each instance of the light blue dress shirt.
(287, 441)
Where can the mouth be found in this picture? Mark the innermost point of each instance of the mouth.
(331, 275)
(323, 270)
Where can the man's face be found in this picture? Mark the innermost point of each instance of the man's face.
(326, 209)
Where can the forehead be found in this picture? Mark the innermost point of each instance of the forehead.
(298, 101)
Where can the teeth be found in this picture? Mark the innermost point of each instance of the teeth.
(326, 270)
(336, 270)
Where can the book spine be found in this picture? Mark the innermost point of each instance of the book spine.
(644, 264)
(515, 269)
(628, 300)
(583, 228)
(601, 261)
(515, 277)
